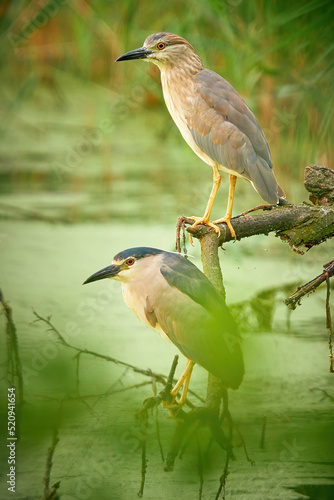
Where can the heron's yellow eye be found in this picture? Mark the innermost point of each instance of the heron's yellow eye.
(161, 45)
(130, 262)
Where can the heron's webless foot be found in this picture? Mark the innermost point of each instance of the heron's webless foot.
(204, 220)
(227, 220)
(183, 380)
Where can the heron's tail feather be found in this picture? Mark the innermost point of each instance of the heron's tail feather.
(264, 182)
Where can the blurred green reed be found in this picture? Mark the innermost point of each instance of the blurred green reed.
(277, 54)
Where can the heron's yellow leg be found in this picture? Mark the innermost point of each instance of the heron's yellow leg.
(186, 373)
(228, 215)
(183, 380)
(183, 397)
(206, 217)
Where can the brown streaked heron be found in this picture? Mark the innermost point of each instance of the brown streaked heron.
(172, 295)
(213, 119)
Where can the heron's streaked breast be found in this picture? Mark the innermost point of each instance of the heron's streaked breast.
(178, 95)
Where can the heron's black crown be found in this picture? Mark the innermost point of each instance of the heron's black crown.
(137, 253)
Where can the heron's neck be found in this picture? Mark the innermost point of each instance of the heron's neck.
(142, 286)
(181, 70)
(178, 89)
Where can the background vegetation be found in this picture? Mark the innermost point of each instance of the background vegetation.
(59, 80)
(89, 144)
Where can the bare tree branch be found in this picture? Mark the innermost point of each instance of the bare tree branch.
(310, 287)
(147, 373)
(302, 225)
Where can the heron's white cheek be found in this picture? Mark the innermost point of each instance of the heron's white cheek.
(116, 278)
(122, 276)
(127, 275)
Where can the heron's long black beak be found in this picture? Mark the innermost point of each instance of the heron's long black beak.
(107, 272)
(141, 53)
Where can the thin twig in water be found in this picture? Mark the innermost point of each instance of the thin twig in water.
(53, 493)
(148, 373)
(143, 440)
(200, 469)
(77, 371)
(263, 433)
(311, 286)
(14, 367)
(323, 391)
(329, 324)
(163, 395)
(250, 460)
(156, 419)
(99, 396)
(221, 489)
(48, 493)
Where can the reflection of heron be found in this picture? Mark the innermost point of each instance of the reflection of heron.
(173, 296)
(212, 118)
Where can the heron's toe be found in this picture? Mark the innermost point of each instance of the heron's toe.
(203, 220)
(227, 221)
(173, 407)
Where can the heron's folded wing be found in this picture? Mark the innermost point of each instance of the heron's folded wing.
(224, 128)
(207, 333)
(187, 278)
(226, 104)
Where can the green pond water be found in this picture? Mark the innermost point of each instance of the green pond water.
(97, 456)
(63, 219)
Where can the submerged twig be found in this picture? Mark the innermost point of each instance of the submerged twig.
(156, 419)
(329, 324)
(163, 395)
(263, 432)
(14, 367)
(144, 421)
(311, 286)
(142, 416)
(200, 470)
(148, 373)
(50, 493)
(325, 393)
(221, 489)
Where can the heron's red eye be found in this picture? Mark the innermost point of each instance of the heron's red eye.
(130, 262)
(161, 45)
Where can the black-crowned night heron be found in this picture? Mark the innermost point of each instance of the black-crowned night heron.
(213, 119)
(172, 295)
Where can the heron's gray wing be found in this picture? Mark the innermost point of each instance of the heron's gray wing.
(224, 128)
(200, 324)
(186, 277)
